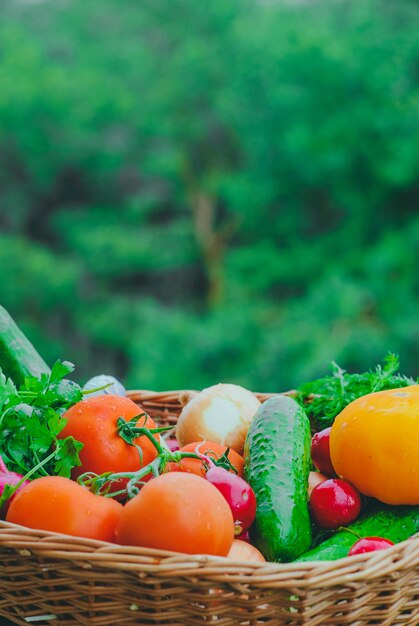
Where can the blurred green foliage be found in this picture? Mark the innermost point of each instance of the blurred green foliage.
(204, 191)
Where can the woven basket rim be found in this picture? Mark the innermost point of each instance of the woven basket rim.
(89, 552)
(175, 394)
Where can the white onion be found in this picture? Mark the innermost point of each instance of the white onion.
(114, 387)
(221, 413)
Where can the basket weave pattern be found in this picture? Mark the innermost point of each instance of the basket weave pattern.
(47, 578)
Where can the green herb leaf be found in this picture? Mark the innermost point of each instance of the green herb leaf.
(67, 456)
(60, 370)
(7, 389)
(31, 419)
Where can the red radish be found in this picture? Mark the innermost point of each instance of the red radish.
(320, 452)
(370, 544)
(334, 503)
(314, 479)
(12, 479)
(239, 495)
(172, 443)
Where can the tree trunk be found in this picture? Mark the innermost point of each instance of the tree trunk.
(211, 243)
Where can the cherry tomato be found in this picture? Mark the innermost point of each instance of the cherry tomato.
(60, 505)
(370, 544)
(94, 423)
(210, 449)
(334, 503)
(320, 452)
(239, 495)
(179, 512)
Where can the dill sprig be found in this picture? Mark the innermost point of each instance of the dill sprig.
(325, 397)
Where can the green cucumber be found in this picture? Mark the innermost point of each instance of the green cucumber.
(277, 465)
(18, 357)
(395, 523)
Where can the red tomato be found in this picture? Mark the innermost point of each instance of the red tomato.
(60, 505)
(210, 449)
(93, 422)
(179, 512)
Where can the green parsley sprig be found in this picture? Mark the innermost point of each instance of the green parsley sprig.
(31, 418)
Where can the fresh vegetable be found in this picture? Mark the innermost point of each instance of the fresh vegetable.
(334, 503)
(244, 551)
(113, 450)
(221, 413)
(239, 495)
(172, 444)
(126, 484)
(326, 397)
(60, 505)
(277, 465)
(320, 452)
(370, 544)
(18, 357)
(395, 523)
(98, 423)
(209, 449)
(31, 419)
(179, 512)
(374, 444)
(314, 479)
(244, 537)
(104, 384)
(10, 484)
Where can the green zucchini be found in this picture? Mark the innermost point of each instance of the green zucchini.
(277, 465)
(395, 523)
(18, 357)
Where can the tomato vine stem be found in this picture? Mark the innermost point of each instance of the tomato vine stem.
(130, 432)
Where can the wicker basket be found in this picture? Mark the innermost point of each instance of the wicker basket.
(56, 579)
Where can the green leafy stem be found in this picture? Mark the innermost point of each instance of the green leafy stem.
(10, 490)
